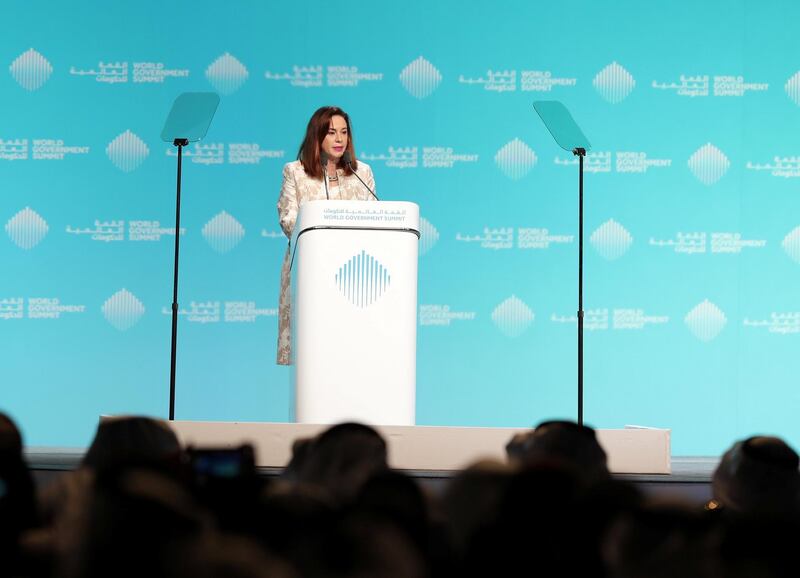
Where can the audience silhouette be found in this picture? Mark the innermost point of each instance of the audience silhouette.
(139, 505)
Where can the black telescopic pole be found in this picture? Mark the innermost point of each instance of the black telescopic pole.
(180, 143)
(580, 153)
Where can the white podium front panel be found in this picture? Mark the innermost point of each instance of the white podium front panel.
(354, 289)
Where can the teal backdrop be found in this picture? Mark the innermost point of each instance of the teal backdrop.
(692, 206)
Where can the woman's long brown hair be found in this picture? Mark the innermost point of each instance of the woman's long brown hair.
(316, 131)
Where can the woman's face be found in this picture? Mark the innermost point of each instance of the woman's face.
(335, 142)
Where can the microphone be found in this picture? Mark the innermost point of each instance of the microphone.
(323, 160)
(347, 158)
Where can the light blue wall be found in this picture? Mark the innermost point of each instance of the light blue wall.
(712, 352)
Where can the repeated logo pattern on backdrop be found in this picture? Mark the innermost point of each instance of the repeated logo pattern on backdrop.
(31, 70)
(692, 232)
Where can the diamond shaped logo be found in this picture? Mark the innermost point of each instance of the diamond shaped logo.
(31, 70)
(123, 310)
(708, 164)
(127, 151)
(611, 240)
(420, 78)
(706, 321)
(793, 88)
(614, 83)
(791, 245)
(223, 232)
(515, 159)
(227, 74)
(362, 279)
(26, 229)
(428, 236)
(512, 317)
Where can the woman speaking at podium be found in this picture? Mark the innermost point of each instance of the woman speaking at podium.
(326, 168)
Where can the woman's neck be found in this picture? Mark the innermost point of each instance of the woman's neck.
(331, 168)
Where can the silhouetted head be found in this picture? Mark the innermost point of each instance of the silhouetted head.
(18, 511)
(137, 521)
(133, 439)
(10, 437)
(395, 498)
(342, 458)
(471, 500)
(561, 442)
(300, 450)
(758, 475)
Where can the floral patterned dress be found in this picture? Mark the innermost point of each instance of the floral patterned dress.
(298, 188)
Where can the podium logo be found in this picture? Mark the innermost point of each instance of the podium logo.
(611, 240)
(31, 70)
(223, 232)
(127, 151)
(420, 78)
(26, 229)
(614, 83)
(428, 236)
(791, 245)
(708, 164)
(515, 159)
(793, 88)
(123, 310)
(705, 321)
(512, 317)
(362, 279)
(227, 74)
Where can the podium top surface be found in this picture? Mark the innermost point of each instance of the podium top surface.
(390, 215)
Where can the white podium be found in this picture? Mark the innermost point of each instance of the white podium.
(354, 312)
